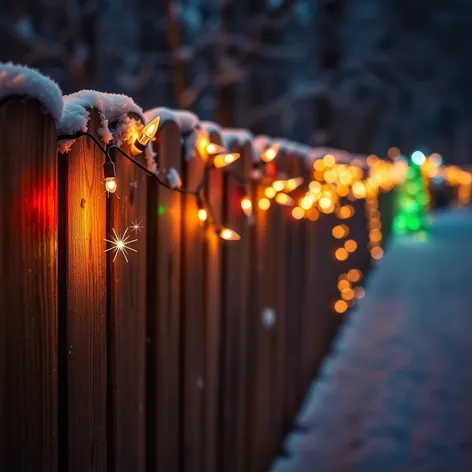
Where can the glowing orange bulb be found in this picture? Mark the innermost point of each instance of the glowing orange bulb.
(376, 253)
(213, 148)
(149, 131)
(325, 203)
(307, 202)
(270, 153)
(264, 204)
(279, 185)
(202, 214)
(343, 285)
(341, 254)
(229, 235)
(358, 189)
(284, 199)
(354, 275)
(298, 213)
(340, 306)
(345, 212)
(347, 294)
(292, 184)
(330, 176)
(375, 235)
(350, 245)
(110, 184)
(270, 192)
(329, 160)
(314, 186)
(319, 165)
(313, 214)
(223, 160)
(340, 231)
(246, 205)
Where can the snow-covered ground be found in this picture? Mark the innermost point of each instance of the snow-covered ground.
(396, 393)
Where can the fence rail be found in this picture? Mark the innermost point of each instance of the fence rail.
(193, 356)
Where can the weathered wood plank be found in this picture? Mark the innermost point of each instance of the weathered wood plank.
(295, 267)
(127, 318)
(193, 319)
(164, 342)
(235, 314)
(259, 340)
(28, 287)
(83, 301)
(212, 312)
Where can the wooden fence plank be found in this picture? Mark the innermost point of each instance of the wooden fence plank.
(28, 287)
(127, 318)
(164, 340)
(193, 319)
(235, 313)
(293, 388)
(212, 318)
(277, 270)
(259, 342)
(241, 378)
(82, 300)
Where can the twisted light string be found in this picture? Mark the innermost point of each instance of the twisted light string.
(197, 192)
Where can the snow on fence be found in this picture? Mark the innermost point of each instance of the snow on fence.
(194, 355)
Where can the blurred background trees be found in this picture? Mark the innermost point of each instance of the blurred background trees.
(362, 75)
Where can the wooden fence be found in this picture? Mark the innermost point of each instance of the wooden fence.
(192, 357)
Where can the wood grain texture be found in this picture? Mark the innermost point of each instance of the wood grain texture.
(164, 341)
(127, 320)
(234, 322)
(259, 337)
(212, 318)
(193, 320)
(83, 302)
(277, 259)
(28, 287)
(295, 266)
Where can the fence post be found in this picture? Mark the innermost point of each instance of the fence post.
(127, 318)
(83, 306)
(294, 388)
(234, 321)
(193, 319)
(164, 342)
(28, 287)
(212, 318)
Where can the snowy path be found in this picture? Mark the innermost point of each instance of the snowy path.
(396, 395)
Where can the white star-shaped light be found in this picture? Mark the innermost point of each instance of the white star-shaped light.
(136, 227)
(120, 244)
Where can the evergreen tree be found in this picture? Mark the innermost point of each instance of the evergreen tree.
(412, 200)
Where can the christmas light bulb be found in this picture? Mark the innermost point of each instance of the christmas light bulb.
(270, 153)
(284, 199)
(223, 160)
(279, 185)
(202, 214)
(246, 206)
(228, 234)
(148, 132)
(264, 204)
(212, 148)
(110, 184)
(270, 192)
(292, 184)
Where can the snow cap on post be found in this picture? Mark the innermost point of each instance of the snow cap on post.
(241, 137)
(186, 121)
(22, 81)
(112, 108)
